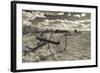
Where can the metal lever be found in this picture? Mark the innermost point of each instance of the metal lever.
(48, 41)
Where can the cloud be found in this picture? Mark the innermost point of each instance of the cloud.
(36, 14)
(77, 15)
(60, 13)
(57, 20)
(49, 13)
(25, 22)
(53, 13)
(85, 22)
(69, 14)
(46, 20)
(40, 14)
(60, 20)
(83, 14)
(27, 14)
(32, 15)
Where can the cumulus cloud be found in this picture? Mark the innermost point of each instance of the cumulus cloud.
(77, 15)
(40, 14)
(69, 14)
(60, 20)
(46, 20)
(57, 20)
(60, 13)
(83, 14)
(27, 14)
(32, 15)
(26, 23)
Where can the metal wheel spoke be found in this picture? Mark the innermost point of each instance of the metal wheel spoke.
(58, 37)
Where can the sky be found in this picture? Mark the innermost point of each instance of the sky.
(57, 20)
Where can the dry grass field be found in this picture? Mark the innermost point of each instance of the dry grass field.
(78, 48)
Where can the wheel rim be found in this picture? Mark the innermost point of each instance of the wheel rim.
(58, 37)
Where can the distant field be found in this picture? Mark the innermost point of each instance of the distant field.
(78, 48)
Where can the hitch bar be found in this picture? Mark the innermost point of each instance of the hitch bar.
(48, 41)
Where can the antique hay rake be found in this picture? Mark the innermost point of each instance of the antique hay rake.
(55, 40)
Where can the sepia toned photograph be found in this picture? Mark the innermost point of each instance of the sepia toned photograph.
(55, 36)
(48, 36)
